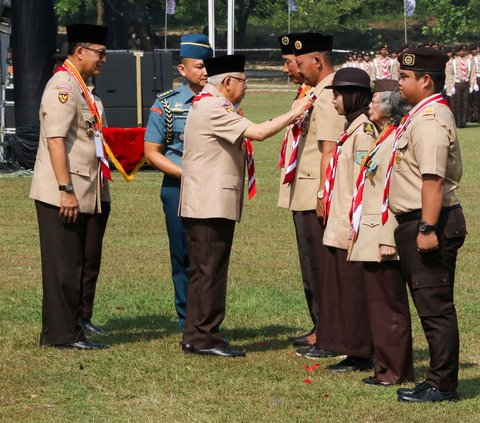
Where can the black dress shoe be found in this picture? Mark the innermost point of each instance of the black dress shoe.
(89, 327)
(352, 364)
(220, 351)
(373, 381)
(314, 353)
(307, 340)
(408, 391)
(81, 345)
(427, 393)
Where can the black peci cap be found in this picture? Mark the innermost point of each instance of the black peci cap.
(310, 42)
(84, 33)
(286, 42)
(225, 64)
(423, 59)
(350, 77)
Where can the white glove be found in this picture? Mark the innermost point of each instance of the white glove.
(452, 92)
(475, 88)
(470, 90)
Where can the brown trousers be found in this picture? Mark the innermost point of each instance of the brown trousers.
(430, 277)
(390, 323)
(209, 243)
(460, 103)
(309, 232)
(66, 249)
(343, 324)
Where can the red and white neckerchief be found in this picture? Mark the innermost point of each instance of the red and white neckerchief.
(356, 209)
(69, 67)
(385, 64)
(252, 183)
(463, 69)
(436, 98)
(302, 91)
(331, 174)
(297, 130)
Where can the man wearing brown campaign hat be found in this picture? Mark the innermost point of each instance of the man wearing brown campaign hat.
(70, 189)
(425, 172)
(217, 143)
(307, 163)
(290, 68)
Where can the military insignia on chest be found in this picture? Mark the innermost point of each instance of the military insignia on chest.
(62, 97)
(369, 129)
(360, 156)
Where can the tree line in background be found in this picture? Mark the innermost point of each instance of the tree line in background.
(444, 21)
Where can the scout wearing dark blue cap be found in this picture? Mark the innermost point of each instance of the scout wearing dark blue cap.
(195, 46)
(311, 42)
(85, 33)
(225, 64)
(423, 59)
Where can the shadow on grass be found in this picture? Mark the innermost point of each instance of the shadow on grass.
(140, 328)
(469, 388)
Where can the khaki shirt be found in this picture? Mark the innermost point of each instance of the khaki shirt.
(362, 135)
(324, 125)
(371, 232)
(428, 146)
(63, 112)
(453, 73)
(393, 69)
(213, 168)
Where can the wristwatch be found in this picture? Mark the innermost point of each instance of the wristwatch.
(320, 194)
(424, 227)
(67, 187)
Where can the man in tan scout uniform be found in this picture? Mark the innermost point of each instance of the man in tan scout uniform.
(426, 172)
(69, 188)
(290, 68)
(315, 147)
(383, 66)
(211, 195)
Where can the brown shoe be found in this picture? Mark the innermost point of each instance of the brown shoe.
(307, 340)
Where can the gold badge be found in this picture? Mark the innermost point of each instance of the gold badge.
(285, 40)
(62, 97)
(398, 159)
(409, 59)
(298, 45)
(368, 128)
(90, 132)
(429, 111)
(372, 85)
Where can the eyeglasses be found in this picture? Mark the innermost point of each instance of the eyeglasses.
(100, 51)
(243, 80)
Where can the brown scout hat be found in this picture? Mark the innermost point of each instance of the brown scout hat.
(423, 59)
(381, 85)
(350, 77)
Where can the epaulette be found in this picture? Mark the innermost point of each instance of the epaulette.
(166, 94)
(429, 111)
(369, 129)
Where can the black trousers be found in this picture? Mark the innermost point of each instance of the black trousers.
(309, 233)
(460, 103)
(430, 277)
(209, 243)
(64, 250)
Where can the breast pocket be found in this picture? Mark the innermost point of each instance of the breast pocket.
(309, 172)
(79, 169)
(400, 164)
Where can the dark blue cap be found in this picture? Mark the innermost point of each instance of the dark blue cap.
(195, 46)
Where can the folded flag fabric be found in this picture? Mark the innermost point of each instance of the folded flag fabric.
(124, 146)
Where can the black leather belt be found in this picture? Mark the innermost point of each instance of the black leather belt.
(417, 214)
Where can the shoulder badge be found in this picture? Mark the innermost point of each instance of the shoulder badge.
(157, 110)
(360, 156)
(429, 111)
(63, 97)
(369, 129)
(227, 106)
(166, 94)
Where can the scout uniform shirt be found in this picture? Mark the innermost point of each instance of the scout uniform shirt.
(362, 135)
(428, 146)
(460, 70)
(371, 232)
(213, 170)
(167, 119)
(64, 113)
(325, 124)
(385, 68)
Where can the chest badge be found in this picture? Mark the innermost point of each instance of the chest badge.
(63, 97)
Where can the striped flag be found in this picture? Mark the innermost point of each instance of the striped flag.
(291, 6)
(409, 7)
(171, 6)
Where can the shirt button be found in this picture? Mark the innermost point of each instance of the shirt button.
(77, 170)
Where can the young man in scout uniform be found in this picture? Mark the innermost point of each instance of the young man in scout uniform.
(384, 67)
(307, 163)
(164, 150)
(211, 195)
(70, 188)
(431, 221)
(290, 68)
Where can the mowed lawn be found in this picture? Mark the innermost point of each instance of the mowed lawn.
(144, 376)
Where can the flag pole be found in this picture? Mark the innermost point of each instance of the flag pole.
(231, 26)
(211, 24)
(288, 4)
(405, 21)
(166, 14)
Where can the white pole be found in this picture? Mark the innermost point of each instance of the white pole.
(405, 21)
(230, 26)
(288, 5)
(165, 30)
(211, 24)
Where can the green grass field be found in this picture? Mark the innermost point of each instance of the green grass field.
(144, 376)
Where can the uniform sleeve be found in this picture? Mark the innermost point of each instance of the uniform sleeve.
(59, 109)
(226, 123)
(430, 141)
(329, 123)
(156, 127)
(449, 80)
